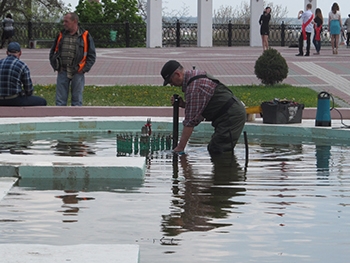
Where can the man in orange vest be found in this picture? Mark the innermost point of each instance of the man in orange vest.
(306, 30)
(72, 55)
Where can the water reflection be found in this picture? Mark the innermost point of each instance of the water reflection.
(15, 147)
(73, 148)
(197, 199)
(60, 144)
(282, 151)
(80, 184)
(70, 204)
(323, 155)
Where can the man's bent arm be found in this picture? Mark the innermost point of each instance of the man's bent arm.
(185, 136)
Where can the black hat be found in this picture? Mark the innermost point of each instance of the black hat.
(168, 69)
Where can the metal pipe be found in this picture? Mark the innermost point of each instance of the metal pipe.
(246, 149)
(175, 120)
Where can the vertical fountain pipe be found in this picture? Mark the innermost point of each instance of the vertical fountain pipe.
(246, 149)
(175, 120)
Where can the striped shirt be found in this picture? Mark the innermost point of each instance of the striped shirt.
(197, 97)
(14, 74)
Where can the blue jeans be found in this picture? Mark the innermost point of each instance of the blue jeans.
(317, 44)
(62, 89)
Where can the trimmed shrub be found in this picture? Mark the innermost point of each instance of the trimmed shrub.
(271, 67)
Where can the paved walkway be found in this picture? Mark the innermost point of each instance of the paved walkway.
(232, 65)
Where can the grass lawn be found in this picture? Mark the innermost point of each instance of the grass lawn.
(160, 96)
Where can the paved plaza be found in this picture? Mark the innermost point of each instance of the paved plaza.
(232, 65)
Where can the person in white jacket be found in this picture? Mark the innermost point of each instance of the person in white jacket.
(306, 30)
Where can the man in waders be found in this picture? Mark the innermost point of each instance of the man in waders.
(206, 98)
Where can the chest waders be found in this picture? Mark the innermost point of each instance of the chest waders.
(227, 115)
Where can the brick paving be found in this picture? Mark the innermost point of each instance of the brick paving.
(232, 65)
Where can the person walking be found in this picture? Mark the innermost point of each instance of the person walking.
(72, 55)
(318, 23)
(8, 29)
(264, 27)
(16, 87)
(206, 98)
(334, 26)
(347, 28)
(306, 30)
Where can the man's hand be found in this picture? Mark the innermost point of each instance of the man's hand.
(186, 134)
(182, 104)
(179, 149)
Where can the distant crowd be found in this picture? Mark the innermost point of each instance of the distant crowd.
(312, 23)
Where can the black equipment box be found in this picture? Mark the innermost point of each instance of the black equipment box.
(282, 112)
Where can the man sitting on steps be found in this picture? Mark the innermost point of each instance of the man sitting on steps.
(16, 87)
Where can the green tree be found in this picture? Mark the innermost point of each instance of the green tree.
(128, 11)
(112, 16)
(33, 10)
(89, 11)
(108, 11)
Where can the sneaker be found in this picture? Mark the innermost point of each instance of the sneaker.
(317, 53)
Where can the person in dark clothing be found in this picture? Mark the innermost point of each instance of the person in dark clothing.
(206, 98)
(264, 27)
(72, 55)
(8, 30)
(16, 86)
(347, 27)
(318, 22)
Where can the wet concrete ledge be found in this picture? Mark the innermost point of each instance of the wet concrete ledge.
(47, 166)
(92, 253)
(55, 111)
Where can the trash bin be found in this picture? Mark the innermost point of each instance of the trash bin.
(113, 35)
